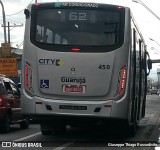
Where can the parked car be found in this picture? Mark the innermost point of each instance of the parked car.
(154, 91)
(10, 105)
(158, 92)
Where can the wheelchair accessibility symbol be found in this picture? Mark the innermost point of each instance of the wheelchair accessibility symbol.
(44, 84)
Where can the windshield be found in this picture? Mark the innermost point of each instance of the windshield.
(78, 27)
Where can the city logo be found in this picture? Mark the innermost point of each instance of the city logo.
(56, 62)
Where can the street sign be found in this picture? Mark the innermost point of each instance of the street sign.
(8, 66)
(6, 49)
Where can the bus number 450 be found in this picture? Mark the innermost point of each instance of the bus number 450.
(104, 67)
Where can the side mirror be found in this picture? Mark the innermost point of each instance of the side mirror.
(149, 61)
(27, 13)
(149, 64)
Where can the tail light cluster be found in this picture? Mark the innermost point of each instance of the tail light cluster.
(121, 80)
(28, 77)
(75, 49)
(1, 102)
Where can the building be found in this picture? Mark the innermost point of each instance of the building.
(15, 53)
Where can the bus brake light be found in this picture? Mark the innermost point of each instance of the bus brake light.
(37, 4)
(28, 77)
(75, 49)
(1, 100)
(123, 76)
(121, 81)
(120, 7)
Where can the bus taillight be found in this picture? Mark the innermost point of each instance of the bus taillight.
(121, 81)
(1, 101)
(37, 4)
(123, 76)
(75, 49)
(120, 7)
(28, 77)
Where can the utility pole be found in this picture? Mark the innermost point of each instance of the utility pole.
(8, 33)
(4, 22)
(8, 26)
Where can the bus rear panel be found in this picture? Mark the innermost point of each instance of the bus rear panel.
(77, 62)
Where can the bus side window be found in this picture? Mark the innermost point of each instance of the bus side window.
(38, 37)
(39, 33)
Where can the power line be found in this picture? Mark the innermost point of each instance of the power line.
(19, 11)
(150, 10)
(145, 6)
(9, 20)
(9, 29)
(20, 44)
(15, 13)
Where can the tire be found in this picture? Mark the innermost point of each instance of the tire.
(25, 124)
(59, 129)
(133, 127)
(45, 129)
(132, 130)
(5, 124)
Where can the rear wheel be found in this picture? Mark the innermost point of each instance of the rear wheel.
(46, 132)
(143, 107)
(59, 129)
(132, 129)
(25, 124)
(49, 128)
(5, 124)
(134, 125)
(45, 129)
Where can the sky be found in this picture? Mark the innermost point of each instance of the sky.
(148, 24)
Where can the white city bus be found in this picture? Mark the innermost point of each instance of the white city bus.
(83, 63)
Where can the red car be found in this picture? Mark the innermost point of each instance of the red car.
(10, 105)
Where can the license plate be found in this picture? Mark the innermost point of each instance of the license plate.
(73, 107)
(74, 89)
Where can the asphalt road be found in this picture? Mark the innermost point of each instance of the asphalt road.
(90, 138)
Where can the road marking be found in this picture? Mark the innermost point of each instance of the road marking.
(27, 137)
(63, 146)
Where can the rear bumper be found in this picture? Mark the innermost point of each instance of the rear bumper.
(49, 108)
(74, 120)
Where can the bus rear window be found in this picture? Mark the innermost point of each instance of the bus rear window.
(78, 27)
